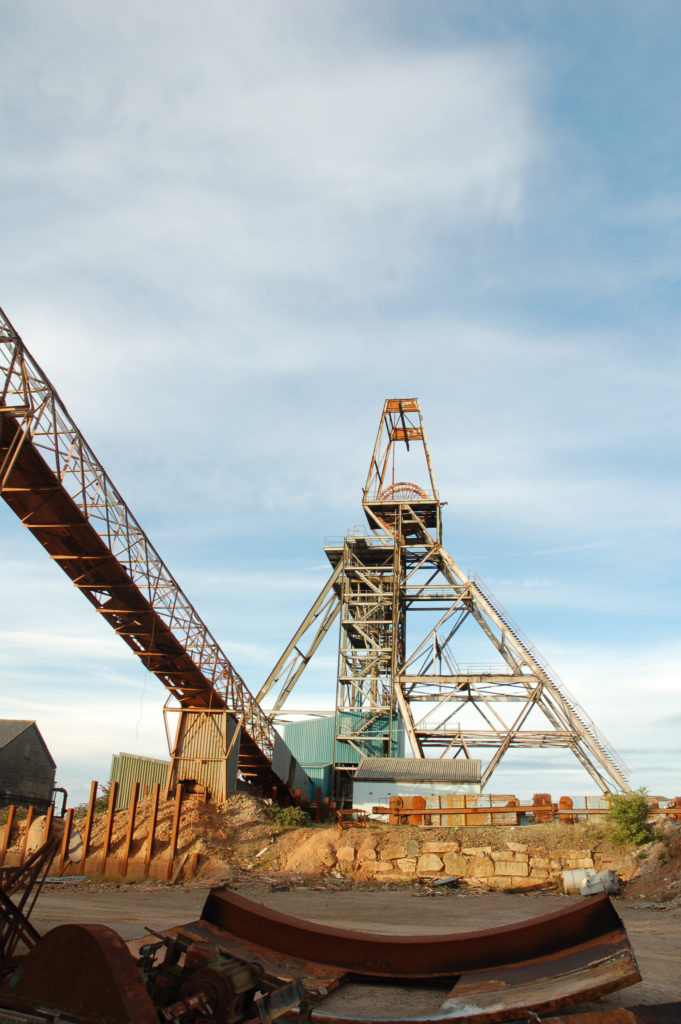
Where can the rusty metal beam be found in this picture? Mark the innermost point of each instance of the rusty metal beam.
(52, 480)
(498, 974)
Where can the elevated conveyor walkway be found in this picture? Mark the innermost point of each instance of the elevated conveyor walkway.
(53, 482)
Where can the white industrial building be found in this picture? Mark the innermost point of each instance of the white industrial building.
(379, 778)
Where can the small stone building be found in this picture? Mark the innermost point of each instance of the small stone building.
(26, 766)
(379, 778)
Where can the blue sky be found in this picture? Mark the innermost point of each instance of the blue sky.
(229, 232)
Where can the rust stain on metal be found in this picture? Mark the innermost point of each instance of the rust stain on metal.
(664, 1013)
(492, 975)
(84, 970)
(303, 971)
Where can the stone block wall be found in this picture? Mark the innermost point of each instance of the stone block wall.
(514, 866)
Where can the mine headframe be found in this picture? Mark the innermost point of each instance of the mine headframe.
(407, 614)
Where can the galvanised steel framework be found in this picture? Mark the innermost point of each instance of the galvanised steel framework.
(52, 480)
(393, 674)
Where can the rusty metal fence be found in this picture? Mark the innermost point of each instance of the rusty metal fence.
(147, 849)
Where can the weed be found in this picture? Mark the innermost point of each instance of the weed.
(629, 814)
(288, 817)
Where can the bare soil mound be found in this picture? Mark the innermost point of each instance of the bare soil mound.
(228, 834)
(238, 837)
(658, 877)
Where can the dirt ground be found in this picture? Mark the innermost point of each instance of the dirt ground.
(293, 871)
(654, 928)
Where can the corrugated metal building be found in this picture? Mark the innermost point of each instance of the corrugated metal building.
(318, 743)
(379, 778)
(289, 770)
(206, 751)
(129, 768)
(312, 741)
(26, 766)
(310, 744)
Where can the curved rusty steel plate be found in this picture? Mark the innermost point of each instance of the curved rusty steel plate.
(497, 974)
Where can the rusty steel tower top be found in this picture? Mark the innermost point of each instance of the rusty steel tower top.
(417, 637)
(401, 432)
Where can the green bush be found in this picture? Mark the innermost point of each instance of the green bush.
(289, 817)
(629, 813)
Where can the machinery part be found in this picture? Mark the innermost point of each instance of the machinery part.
(402, 490)
(409, 956)
(213, 970)
(228, 986)
(664, 1013)
(280, 1002)
(494, 975)
(14, 916)
(82, 972)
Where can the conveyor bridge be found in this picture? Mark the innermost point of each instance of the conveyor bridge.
(52, 480)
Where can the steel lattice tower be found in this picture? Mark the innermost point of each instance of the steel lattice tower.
(404, 606)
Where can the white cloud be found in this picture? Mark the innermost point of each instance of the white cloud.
(230, 236)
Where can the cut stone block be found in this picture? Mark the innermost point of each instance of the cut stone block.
(513, 868)
(394, 852)
(378, 867)
(345, 853)
(506, 882)
(579, 862)
(481, 866)
(429, 864)
(407, 865)
(455, 864)
(435, 847)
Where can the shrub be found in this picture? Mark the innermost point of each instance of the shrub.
(629, 813)
(289, 817)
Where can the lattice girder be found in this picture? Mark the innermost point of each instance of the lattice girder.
(404, 567)
(52, 480)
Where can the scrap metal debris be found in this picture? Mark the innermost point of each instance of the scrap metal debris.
(244, 962)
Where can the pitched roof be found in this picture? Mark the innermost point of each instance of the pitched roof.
(416, 769)
(10, 728)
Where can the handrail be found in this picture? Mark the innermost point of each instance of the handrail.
(544, 665)
(43, 422)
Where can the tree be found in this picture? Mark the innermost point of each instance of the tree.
(629, 814)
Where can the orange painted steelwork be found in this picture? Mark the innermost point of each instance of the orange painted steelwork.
(51, 479)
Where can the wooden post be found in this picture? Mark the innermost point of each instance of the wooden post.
(318, 815)
(48, 823)
(274, 795)
(152, 826)
(297, 798)
(134, 794)
(175, 829)
(87, 830)
(8, 830)
(66, 840)
(27, 828)
(110, 811)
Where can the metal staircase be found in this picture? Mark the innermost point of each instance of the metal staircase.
(538, 662)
